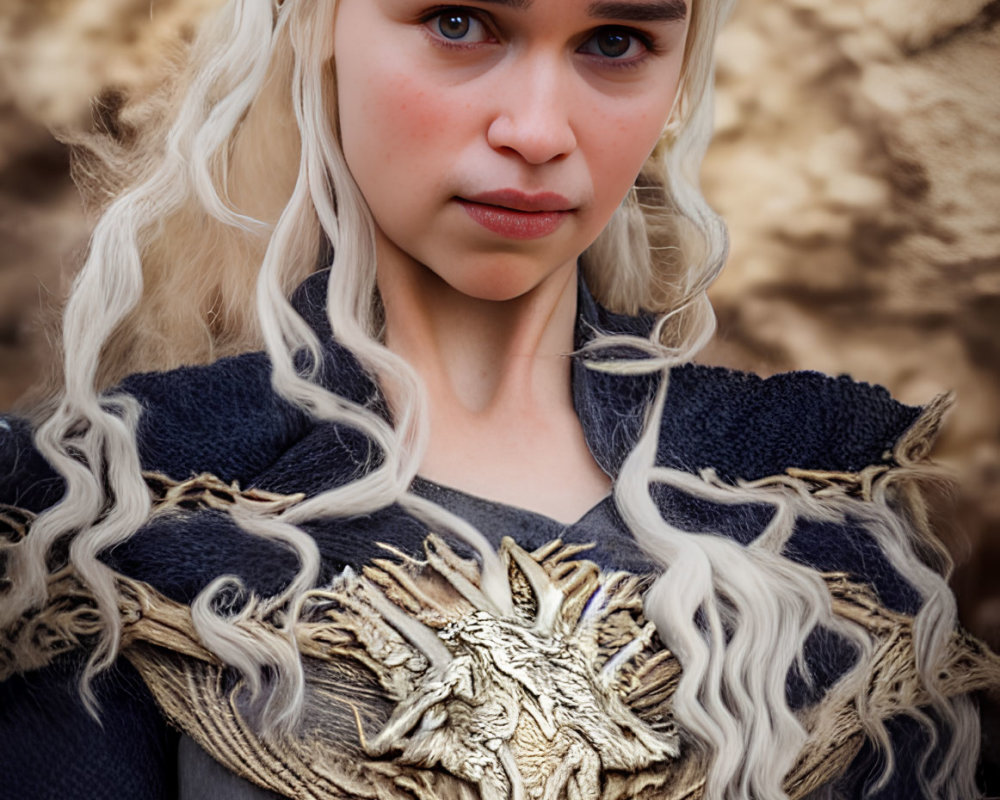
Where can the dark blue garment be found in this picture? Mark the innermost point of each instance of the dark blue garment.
(226, 420)
(52, 749)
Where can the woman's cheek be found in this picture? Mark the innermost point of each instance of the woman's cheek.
(407, 111)
(621, 146)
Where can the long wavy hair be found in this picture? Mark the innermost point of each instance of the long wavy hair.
(224, 191)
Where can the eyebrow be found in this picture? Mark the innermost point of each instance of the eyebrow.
(656, 11)
(519, 4)
(650, 11)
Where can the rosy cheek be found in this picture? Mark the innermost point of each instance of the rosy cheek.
(408, 112)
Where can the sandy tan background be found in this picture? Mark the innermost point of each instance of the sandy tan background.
(857, 161)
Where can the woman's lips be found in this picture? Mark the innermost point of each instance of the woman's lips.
(517, 215)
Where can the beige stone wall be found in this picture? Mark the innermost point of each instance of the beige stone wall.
(857, 161)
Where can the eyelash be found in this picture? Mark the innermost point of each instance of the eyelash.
(649, 47)
(457, 11)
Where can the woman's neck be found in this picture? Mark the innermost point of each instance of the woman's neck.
(482, 356)
(498, 380)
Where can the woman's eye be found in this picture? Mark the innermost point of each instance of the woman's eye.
(456, 25)
(614, 43)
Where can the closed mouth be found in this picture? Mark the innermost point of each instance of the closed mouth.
(516, 200)
(514, 223)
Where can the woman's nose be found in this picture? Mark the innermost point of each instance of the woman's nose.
(532, 118)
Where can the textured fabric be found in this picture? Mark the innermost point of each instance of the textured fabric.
(200, 777)
(741, 425)
(225, 419)
(52, 749)
(26, 480)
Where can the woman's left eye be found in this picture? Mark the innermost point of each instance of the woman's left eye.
(459, 26)
(618, 44)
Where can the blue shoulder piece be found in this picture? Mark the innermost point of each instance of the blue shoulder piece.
(741, 425)
(222, 418)
(226, 419)
(747, 427)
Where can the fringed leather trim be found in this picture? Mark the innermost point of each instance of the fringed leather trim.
(208, 491)
(14, 524)
(70, 620)
(909, 455)
(416, 688)
(900, 482)
(890, 684)
(916, 443)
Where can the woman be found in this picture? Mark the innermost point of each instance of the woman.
(241, 547)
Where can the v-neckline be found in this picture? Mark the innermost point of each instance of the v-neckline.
(424, 487)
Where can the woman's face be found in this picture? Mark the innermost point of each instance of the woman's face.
(493, 140)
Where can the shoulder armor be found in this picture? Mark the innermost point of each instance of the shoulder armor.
(747, 427)
(223, 418)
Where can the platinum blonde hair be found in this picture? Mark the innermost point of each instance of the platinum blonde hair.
(194, 257)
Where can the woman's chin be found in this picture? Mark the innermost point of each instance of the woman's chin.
(501, 282)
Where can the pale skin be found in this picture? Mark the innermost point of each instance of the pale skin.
(556, 102)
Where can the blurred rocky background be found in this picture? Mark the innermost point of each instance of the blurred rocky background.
(857, 161)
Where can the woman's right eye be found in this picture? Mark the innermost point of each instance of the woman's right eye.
(456, 25)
